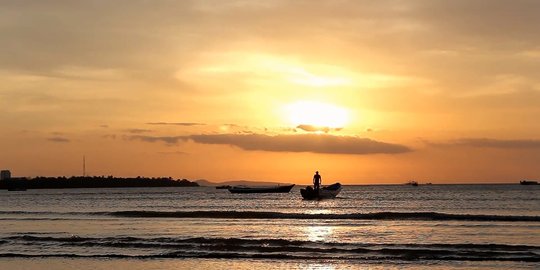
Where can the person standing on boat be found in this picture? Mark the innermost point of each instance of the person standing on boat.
(317, 180)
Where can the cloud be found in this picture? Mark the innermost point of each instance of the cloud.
(109, 136)
(314, 143)
(311, 128)
(326, 144)
(137, 130)
(173, 153)
(58, 139)
(496, 143)
(492, 143)
(175, 124)
(165, 139)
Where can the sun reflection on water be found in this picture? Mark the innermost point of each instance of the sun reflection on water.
(318, 233)
(319, 211)
(320, 207)
(318, 266)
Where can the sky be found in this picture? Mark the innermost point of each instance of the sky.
(362, 91)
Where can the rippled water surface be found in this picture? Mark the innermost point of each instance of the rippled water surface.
(435, 227)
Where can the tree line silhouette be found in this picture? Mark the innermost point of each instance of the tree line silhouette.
(92, 182)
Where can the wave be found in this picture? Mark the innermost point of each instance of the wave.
(436, 216)
(200, 247)
(280, 215)
(44, 213)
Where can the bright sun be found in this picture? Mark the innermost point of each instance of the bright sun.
(317, 114)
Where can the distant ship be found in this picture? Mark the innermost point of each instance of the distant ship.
(412, 183)
(17, 189)
(528, 182)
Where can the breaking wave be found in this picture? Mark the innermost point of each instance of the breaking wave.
(268, 215)
(167, 247)
(280, 215)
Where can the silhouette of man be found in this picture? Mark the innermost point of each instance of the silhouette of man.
(317, 180)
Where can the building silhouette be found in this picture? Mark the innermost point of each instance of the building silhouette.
(5, 175)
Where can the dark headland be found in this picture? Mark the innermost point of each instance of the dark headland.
(92, 182)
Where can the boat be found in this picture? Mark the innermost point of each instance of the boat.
(17, 189)
(223, 187)
(326, 192)
(528, 182)
(261, 189)
(412, 183)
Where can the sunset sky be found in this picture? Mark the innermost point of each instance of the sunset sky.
(362, 91)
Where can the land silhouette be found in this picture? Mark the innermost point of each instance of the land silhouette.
(92, 182)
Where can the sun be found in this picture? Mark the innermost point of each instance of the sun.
(317, 114)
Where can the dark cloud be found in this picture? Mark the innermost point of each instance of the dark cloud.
(58, 139)
(492, 143)
(165, 139)
(173, 153)
(109, 136)
(137, 130)
(303, 143)
(496, 143)
(311, 128)
(233, 126)
(175, 124)
(325, 144)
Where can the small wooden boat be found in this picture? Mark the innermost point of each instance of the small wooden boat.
(528, 182)
(326, 192)
(261, 189)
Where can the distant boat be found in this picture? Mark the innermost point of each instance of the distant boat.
(412, 183)
(262, 189)
(528, 182)
(326, 192)
(16, 189)
(223, 187)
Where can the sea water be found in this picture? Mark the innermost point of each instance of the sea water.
(375, 227)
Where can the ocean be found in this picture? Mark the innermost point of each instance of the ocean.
(366, 227)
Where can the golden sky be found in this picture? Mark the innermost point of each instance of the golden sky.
(363, 91)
